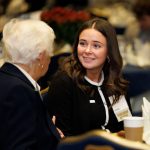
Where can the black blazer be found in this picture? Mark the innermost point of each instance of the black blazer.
(73, 110)
(24, 123)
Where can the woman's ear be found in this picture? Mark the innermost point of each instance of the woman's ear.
(41, 56)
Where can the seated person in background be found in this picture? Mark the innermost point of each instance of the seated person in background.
(141, 28)
(28, 45)
(89, 91)
(137, 34)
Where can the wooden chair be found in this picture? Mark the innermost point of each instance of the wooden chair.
(98, 147)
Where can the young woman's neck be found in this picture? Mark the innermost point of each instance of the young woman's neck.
(95, 76)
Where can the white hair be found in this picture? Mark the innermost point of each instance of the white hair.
(24, 39)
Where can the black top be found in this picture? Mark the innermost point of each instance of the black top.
(74, 112)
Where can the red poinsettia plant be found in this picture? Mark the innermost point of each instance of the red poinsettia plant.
(65, 21)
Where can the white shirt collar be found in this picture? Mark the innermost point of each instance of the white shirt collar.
(95, 83)
(34, 83)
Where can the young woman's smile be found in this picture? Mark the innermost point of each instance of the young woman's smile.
(92, 49)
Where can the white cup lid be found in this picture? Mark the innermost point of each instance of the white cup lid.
(133, 121)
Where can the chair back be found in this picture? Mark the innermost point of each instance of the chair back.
(99, 140)
(98, 147)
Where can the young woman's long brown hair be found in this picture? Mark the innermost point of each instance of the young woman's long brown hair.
(113, 81)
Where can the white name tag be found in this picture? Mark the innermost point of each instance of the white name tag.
(121, 108)
(92, 101)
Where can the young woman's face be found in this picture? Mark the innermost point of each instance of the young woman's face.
(92, 49)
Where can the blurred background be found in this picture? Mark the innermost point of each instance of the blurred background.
(130, 18)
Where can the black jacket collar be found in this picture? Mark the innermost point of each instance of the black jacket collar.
(12, 70)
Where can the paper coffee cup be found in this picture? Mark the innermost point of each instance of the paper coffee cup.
(133, 127)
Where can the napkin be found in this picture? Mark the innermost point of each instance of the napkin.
(146, 115)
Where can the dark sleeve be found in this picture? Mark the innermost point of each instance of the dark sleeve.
(20, 120)
(59, 102)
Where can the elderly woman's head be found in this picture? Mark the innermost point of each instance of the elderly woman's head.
(24, 40)
(29, 44)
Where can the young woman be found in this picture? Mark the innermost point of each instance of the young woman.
(89, 91)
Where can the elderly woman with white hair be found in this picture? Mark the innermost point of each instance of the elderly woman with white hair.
(24, 123)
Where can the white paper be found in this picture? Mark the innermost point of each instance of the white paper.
(146, 115)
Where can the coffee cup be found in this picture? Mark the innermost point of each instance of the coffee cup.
(133, 127)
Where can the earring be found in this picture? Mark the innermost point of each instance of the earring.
(40, 65)
(108, 59)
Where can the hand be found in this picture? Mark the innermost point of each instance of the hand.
(121, 133)
(59, 131)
